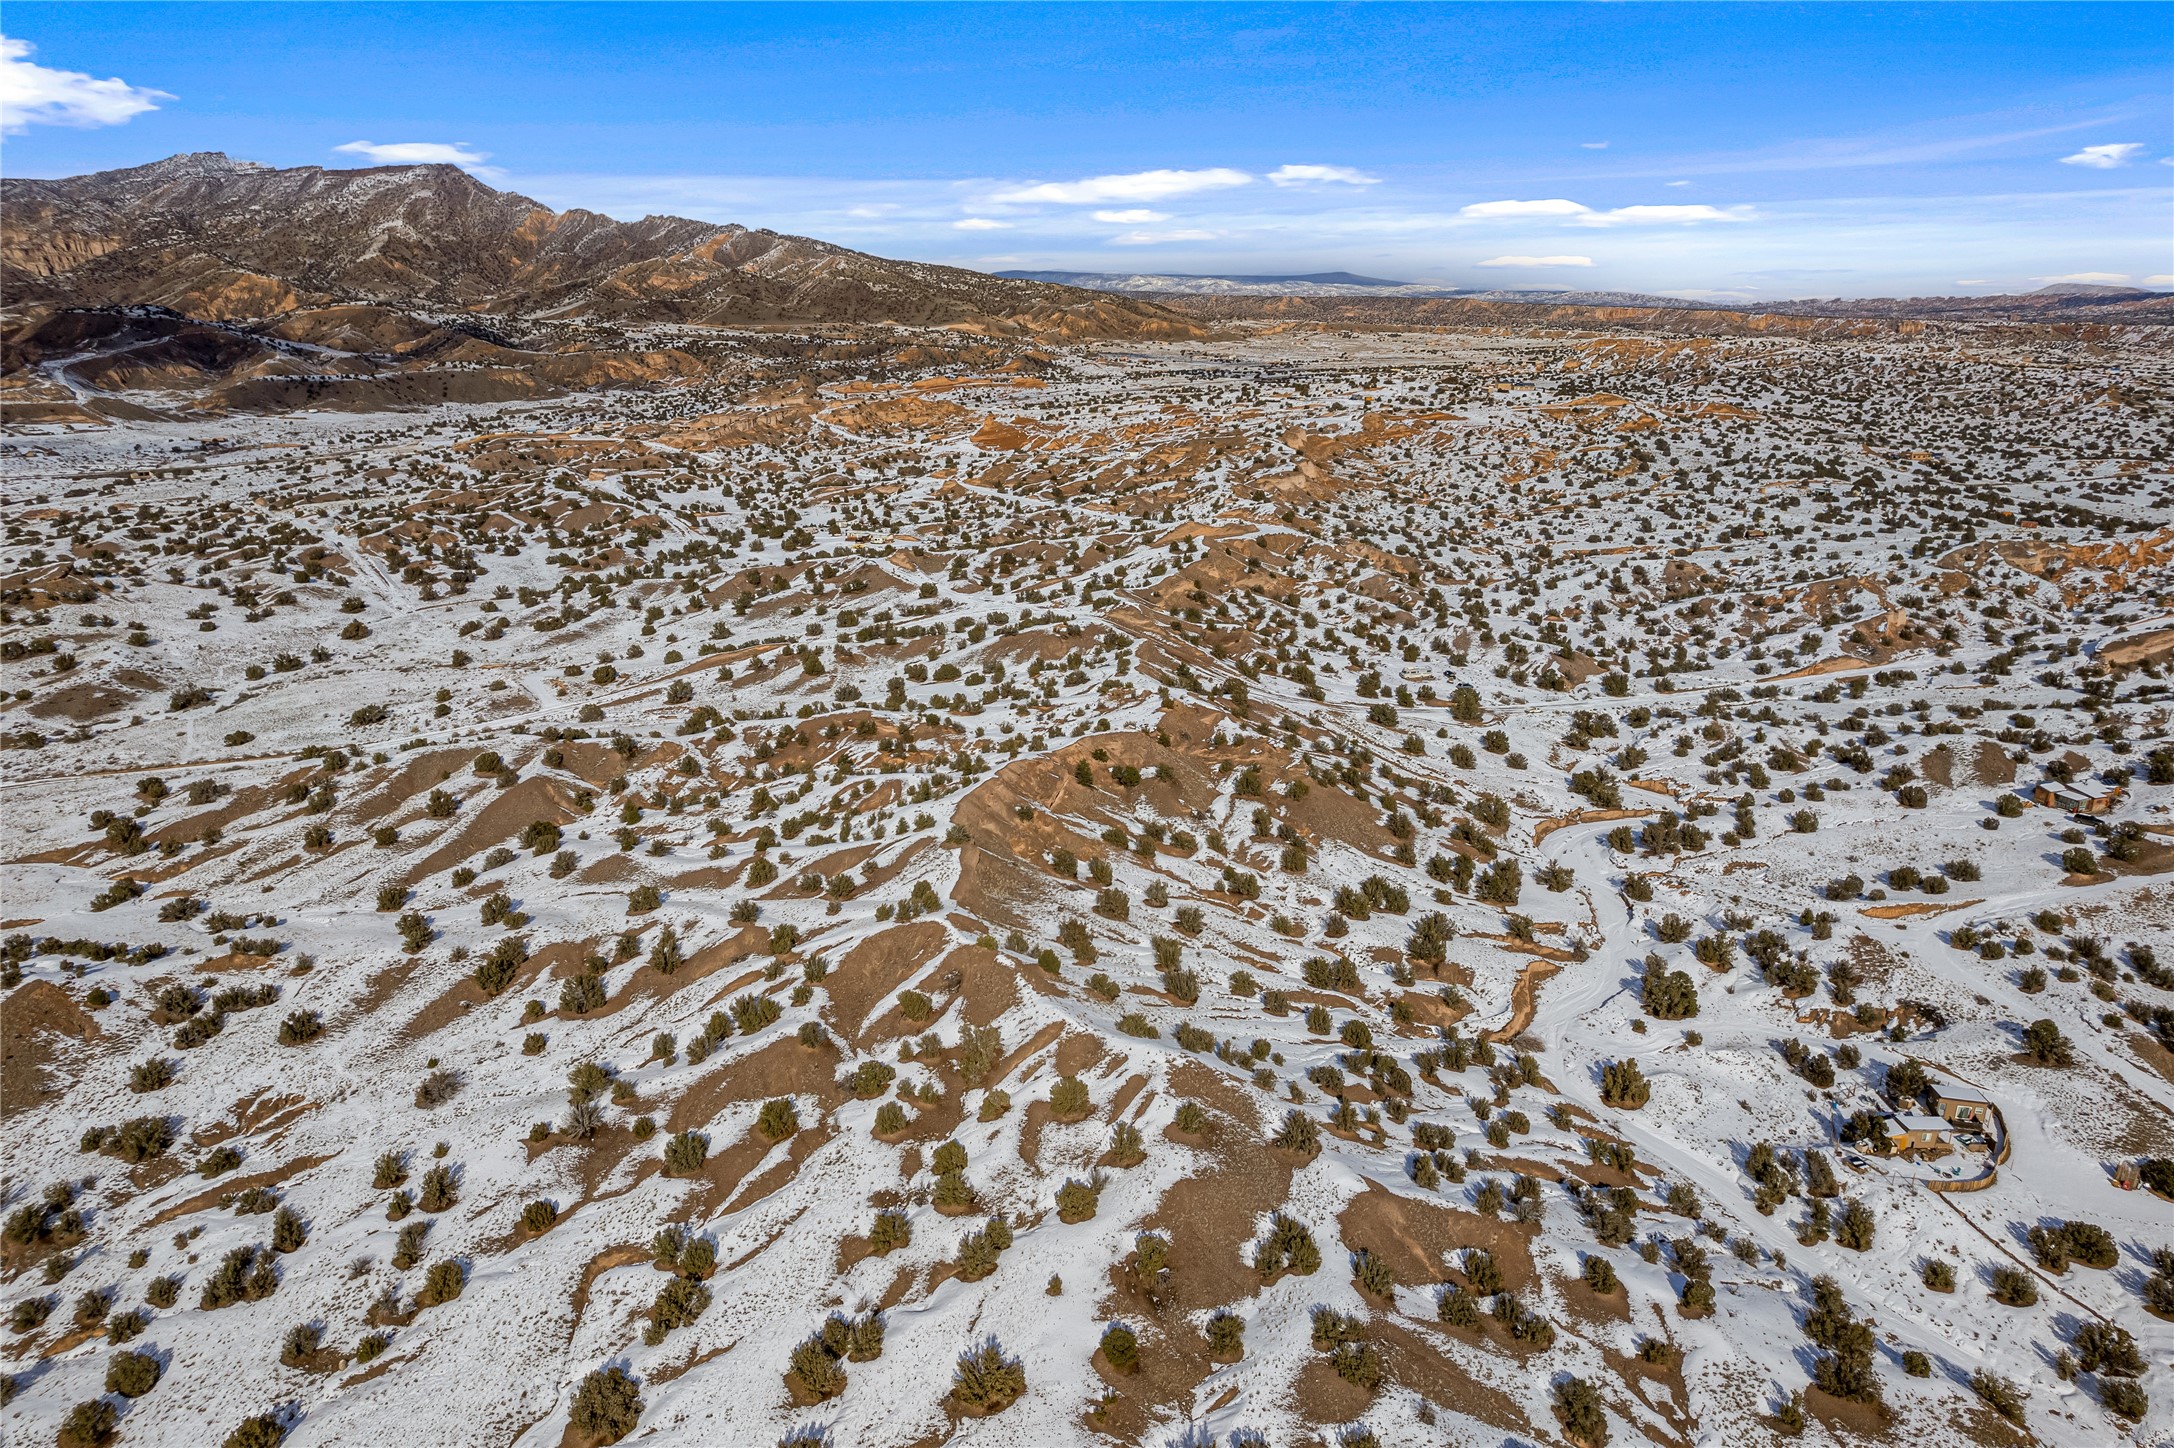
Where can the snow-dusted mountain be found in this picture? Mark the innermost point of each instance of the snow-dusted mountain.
(220, 239)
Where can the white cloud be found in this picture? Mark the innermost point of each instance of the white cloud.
(1133, 217)
(36, 95)
(1972, 282)
(1592, 145)
(1157, 238)
(1536, 261)
(1494, 210)
(1134, 186)
(2162, 279)
(1662, 215)
(422, 153)
(1322, 176)
(981, 223)
(1584, 215)
(2106, 157)
(2111, 279)
(1675, 183)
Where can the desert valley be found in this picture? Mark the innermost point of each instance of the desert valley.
(661, 832)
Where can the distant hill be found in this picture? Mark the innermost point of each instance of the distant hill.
(1333, 283)
(1383, 308)
(1348, 297)
(1320, 284)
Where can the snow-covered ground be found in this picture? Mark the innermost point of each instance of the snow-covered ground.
(1197, 617)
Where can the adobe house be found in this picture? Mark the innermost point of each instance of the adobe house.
(1908, 1131)
(2073, 801)
(1963, 1106)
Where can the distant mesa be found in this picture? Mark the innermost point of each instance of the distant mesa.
(2088, 289)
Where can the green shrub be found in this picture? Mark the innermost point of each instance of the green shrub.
(140, 1139)
(442, 1283)
(1372, 1274)
(2124, 1398)
(685, 1152)
(1578, 1408)
(891, 1231)
(871, 1079)
(607, 1405)
(1999, 1394)
(439, 1190)
(262, 1431)
(679, 1303)
(1357, 1364)
(2109, 1351)
(1298, 1133)
(1127, 1147)
(1288, 1245)
(1623, 1085)
(1068, 1099)
(1226, 1334)
(245, 1274)
(2013, 1287)
(986, 1380)
(89, 1424)
(437, 1088)
(132, 1374)
(779, 1118)
(1077, 1200)
(302, 1343)
(818, 1369)
(952, 1191)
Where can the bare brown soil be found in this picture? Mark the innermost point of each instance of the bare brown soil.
(1420, 1240)
(873, 969)
(506, 813)
(34, 1020)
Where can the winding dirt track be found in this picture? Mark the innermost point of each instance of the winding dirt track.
(1524, 999)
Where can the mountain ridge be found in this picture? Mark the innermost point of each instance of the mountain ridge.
(223, 240)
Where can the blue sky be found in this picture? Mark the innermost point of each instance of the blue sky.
(1701, 149)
